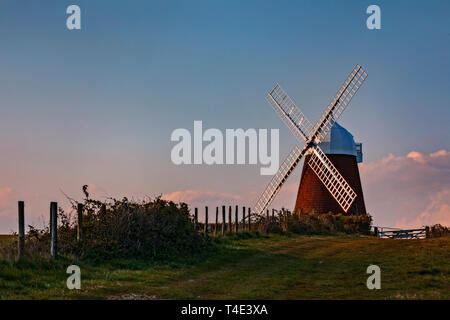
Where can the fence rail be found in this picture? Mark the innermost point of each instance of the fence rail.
(392, 233)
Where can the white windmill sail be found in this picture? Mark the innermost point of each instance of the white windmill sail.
(331, 178)
(301, 127)
(278, 179)
(339, 102)
(296, 121)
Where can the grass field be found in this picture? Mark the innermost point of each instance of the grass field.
(260, 267)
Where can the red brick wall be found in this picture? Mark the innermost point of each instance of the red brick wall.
(313, 195)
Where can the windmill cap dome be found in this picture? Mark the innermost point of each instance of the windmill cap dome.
(338, 141)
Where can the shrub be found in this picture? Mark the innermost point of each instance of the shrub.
(312, 223)
(437, 231)
(152, 229)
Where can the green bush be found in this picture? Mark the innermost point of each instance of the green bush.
(153, 229)
(312, 223)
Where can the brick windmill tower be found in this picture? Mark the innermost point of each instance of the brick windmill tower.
(330, 178)
(345, 154)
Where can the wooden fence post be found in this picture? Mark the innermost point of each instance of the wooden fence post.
(286, 216)
(206, 220)
(280, 218)
(375, 230)
(217, 221)
(273, 213)
(249, 219)
(223, 220)
(243, 219)
(196, 219)
(80, 222)
(267, 214)
(103, 210)
(236, 220)
(229, 219)
(53, 229)
(21, 247)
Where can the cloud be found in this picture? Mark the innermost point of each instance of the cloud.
(408, 191)
(6, 208)
(5, 199)
(437, 211)
(198, 197)
(212, 199)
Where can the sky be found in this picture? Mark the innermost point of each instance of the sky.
(97, 106)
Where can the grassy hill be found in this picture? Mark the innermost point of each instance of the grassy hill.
(259, 267)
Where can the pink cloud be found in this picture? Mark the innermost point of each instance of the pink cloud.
(408, 191)
(6, 208)
(5, 199)
(437, 211)
(213, 199)
(198, 197)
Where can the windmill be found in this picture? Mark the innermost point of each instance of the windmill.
(312, 135)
